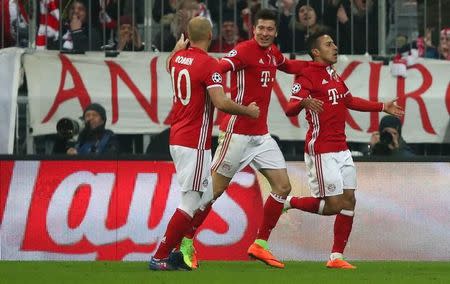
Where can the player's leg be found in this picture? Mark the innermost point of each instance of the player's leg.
(270, 162)
(342, 229)
(230, 157)
(313, 204)
(178, 225)
(326, 185)
(344, 219)
(187, 243)
(192, 174)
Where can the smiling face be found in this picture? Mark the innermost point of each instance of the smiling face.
(325, 51)
(265, 32)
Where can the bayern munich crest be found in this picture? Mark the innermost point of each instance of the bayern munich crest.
(296, 88)
(216, 77)
(232, 53)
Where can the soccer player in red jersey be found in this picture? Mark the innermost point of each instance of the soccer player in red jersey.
(197, 85)
(331, 172)
(245, 141)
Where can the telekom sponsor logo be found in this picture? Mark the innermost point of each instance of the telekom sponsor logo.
(113, 210)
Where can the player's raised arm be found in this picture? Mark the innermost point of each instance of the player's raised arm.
(181, 44)
(225, 104)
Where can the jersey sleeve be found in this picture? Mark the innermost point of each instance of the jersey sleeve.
(279, 57)
(234, 60)
(300, 90)
(359, 104)
(293, 66)
(213, 76)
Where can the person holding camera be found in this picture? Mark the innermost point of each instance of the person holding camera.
(388, 141)
(94, 138)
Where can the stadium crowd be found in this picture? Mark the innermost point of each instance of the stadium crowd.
(117, 25)
(101, 24)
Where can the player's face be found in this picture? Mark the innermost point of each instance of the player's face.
(328, 51)
(265, 32)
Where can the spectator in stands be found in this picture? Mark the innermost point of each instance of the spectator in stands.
(293, 35)
(229, 36)
(424, 45)
(444, 44)
(253, 6)
(94, 138)
(129, 37)
(163, 11)
(78, 33)
(230, 7)
(388, 141)
(352, 15)
(108, 11)
(14, 23)
(166, 38)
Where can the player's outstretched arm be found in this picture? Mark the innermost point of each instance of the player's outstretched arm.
(293, 66)
(391, 107)
(225, 104)
(181, 44)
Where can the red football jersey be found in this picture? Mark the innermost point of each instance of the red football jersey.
(193, 71)
(253, 74)
(326, 131)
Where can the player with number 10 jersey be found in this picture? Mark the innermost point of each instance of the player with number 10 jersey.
(193, 71)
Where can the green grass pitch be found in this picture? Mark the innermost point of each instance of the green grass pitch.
(223, 272)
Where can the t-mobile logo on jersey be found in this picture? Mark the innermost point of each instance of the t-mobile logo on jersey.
(333, 96)
(265, 77)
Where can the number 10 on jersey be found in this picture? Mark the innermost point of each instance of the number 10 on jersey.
(177, 87)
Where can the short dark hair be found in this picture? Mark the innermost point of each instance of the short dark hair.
(312, 43)
(265, 14)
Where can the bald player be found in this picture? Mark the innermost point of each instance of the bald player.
(197, 86)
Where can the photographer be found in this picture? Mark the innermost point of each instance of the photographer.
(94, 138)
(388, 141)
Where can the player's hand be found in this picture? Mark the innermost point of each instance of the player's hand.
(253, 110)
(391, 107)
(312, 104)
(181, 44)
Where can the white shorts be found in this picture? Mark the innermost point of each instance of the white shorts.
(236, 151)
(193, 167)
(330, 173)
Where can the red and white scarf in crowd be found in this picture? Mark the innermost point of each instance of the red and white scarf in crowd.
(48, 23)
(12, 11)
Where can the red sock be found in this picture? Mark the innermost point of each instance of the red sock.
(342, 228)
(308, 204)
(177, 227)
(272, 211)
(197, 221)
